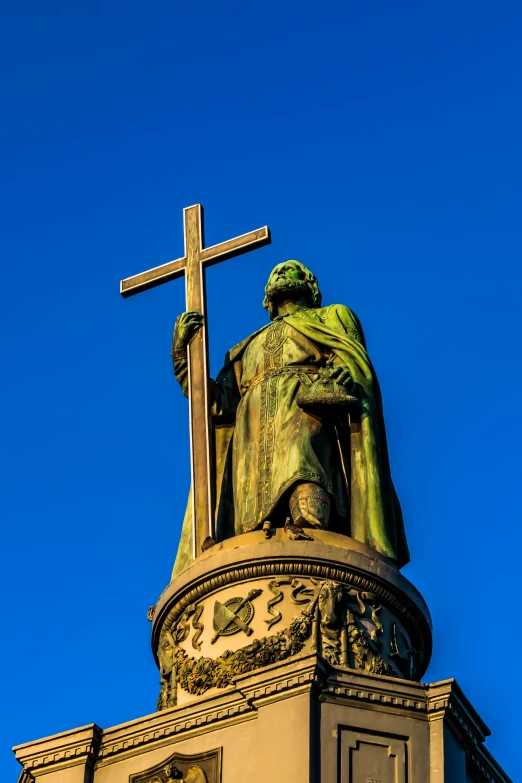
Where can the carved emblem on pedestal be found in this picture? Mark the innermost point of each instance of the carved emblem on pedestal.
(199, 768)
(234, 615)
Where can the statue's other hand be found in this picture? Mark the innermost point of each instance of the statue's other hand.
(340, 375)
(187, 325)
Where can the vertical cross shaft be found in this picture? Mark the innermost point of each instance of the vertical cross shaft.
(192, 266)
(202, 494)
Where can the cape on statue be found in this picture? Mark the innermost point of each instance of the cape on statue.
(277, 459)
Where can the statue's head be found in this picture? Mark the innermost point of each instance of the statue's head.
(291, 280)
(172, 773)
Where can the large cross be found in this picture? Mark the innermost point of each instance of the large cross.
(192, 265)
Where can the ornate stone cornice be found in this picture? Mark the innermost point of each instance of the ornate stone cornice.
(160, 728)
(233, 706)
(375, 690)
(306, 673)
(252, 690)
(446, 701)
(68, 749)
(488, 768)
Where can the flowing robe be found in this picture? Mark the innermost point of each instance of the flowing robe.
(276, 443)
(264, 443)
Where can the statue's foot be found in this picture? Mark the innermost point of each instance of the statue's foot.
(310, 505)
(295, 533)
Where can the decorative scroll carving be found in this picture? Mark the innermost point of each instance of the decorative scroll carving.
(327, 620)
(182, 631)
(183, 627)
(274, 586)
(297, 587)
(198, 627)
(379, 628)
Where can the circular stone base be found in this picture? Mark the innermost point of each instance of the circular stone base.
(250, 601)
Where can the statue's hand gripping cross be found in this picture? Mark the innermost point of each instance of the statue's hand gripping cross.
(192, 265)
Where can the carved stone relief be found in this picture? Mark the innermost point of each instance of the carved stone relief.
(340, 623)
(193, 611)
(402, 652)
(234, 615)
(198, 768)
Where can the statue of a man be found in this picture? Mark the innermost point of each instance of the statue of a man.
(280, 462)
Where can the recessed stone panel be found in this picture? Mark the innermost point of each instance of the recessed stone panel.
(367, 757)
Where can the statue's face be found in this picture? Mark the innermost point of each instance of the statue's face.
(291, 270)
(288, 281)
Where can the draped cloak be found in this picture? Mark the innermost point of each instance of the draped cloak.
(264, 443)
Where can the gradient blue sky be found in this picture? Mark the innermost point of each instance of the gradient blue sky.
(381, 142)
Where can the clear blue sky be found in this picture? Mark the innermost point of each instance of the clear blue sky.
(381, 142)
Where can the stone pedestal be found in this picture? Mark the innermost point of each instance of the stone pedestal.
(298, 721)
(294, 661)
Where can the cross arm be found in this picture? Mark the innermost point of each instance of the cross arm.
(208, 256)
(153, 277)
(235, 247)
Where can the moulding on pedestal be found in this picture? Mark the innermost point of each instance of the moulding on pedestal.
(67, 749)
(340, 712)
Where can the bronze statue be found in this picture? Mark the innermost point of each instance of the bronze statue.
(299, 437)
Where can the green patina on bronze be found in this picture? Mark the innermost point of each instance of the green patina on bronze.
(265, 443)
